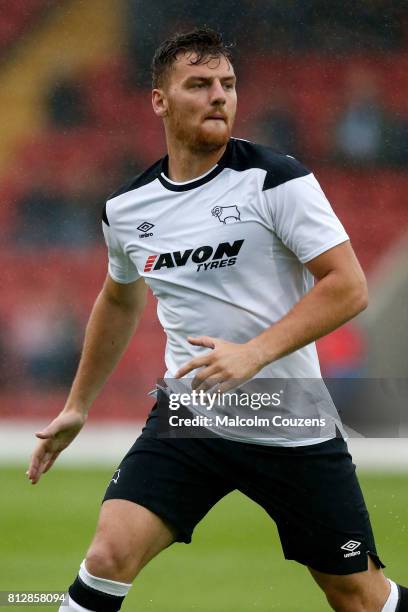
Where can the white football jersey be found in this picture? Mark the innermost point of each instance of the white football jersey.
(224, 254)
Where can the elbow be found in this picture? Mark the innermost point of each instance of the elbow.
(359, 298)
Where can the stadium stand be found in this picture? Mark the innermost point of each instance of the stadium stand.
(82, 164)
(17, 20)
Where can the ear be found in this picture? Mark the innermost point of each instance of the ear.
(159, 102)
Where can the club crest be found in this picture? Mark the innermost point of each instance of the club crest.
(226, 214)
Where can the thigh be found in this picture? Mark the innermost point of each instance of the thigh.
(313, 495)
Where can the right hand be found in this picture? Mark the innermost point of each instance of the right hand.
(53, 439)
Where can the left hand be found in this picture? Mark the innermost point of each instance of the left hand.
(226, 365)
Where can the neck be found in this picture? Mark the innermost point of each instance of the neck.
(186, 165)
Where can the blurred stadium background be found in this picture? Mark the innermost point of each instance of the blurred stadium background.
(326, 82)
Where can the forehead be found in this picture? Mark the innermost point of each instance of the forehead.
(210, 67)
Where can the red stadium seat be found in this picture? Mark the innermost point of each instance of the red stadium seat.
(17, 18)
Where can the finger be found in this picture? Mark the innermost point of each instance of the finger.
(32, 469)
(223, 386)
(35, 478)
(227, 385)
(51, 462)
(48, 432)
(40, 456)
(193, 365)
(202, 341)
(43, 447)
(33, 473)
(41, 462)
(206, 378)
(45, 460)
(34, 463)
(36, 460)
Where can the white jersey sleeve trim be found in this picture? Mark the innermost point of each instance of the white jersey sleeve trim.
(325, 248)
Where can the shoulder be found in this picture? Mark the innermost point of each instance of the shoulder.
(136, 182)
(279, 167)
(140, 180)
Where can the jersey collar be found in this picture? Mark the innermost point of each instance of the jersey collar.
(201, 180)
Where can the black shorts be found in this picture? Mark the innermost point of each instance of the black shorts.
(311, 492)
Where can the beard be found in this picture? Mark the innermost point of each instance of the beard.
(202, 138)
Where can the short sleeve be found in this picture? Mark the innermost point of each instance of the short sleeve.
(120, 266)
(303, 218)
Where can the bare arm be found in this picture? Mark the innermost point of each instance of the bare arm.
(113, 320)
(339, 295)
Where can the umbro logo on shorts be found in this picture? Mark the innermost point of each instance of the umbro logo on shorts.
(351, 547)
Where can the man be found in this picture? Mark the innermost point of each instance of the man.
(229, 236)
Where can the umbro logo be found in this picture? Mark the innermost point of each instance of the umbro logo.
(351, 547)
(145, 227)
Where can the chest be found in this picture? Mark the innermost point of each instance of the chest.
(185, 236)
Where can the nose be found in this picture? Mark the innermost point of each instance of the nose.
(217, 93)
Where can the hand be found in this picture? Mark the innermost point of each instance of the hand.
(226, 365)
(54, 438)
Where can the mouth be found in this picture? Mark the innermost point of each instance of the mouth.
(216, 118)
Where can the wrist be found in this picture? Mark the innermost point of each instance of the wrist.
(77, 407)
(259, 353)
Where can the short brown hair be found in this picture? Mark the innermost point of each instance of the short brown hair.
(205, 43)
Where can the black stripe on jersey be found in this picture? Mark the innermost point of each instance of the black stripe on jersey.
(105, 216)
(243, 155)
(239, 155)
(139, 180)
